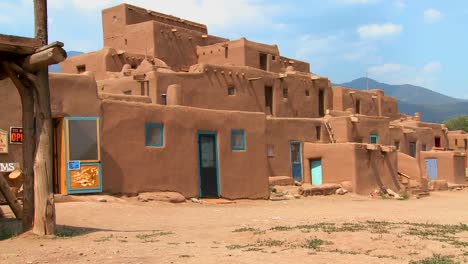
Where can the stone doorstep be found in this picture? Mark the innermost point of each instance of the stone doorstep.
(324, 189)
(281, 180)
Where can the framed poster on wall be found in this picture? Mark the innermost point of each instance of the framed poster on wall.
(3, 142)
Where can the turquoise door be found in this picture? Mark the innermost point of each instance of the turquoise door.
(316, 172)
(296, 160)
(431, 169)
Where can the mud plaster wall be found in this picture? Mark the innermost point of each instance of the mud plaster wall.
(174, 45)
(174, 167)
(437, 129)
(409, 166)
(71, 95)
(205, 82)
(458, 141)
(421, 136)
(450, 166)
(279, 134)
(372, 103)
(100, 62)
(364, 169)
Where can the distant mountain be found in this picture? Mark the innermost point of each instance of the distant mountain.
(433, 106)
(56, 67)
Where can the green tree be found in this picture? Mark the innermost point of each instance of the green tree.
(457, 123)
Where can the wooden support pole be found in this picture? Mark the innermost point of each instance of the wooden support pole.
(44, 205)
(29, 143)
(10, 197)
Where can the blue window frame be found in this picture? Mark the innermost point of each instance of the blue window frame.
(154, 135)
(237, 139)
(374, 139)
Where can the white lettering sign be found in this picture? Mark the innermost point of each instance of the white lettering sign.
(7, 167)
(3, 142)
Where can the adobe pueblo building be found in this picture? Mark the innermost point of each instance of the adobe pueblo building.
(165, 106)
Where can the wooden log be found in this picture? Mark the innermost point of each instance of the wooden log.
(29, 143)
(44, 58)
(44, 207)
(18, 45)
(10, 197)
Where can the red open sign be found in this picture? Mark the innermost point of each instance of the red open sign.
(16, 135)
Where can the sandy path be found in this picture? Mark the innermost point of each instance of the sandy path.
(131, 232)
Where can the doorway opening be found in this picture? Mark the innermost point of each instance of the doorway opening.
(296, 160)
(208, 165)
(321, 103)
(268, 100)
(316, 171)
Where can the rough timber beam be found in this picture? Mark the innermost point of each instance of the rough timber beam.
(18, 45)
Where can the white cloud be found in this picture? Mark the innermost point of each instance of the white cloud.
(379, 31)
(394, 73)
(351, 2)
(432, 67)
(400, 3)
(432, 15)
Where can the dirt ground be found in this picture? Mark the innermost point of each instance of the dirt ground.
(333, 229)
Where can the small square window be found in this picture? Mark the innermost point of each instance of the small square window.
(273, 57)
(270, 149)
(164, 99)
(397, 145)
(237, 140)
(307, 93)
(231, 90)
(318, 132)
(154, 135)
(374, 139)
(81, 68)
(424, 147)
(285, 92)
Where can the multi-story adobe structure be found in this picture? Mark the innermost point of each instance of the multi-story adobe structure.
(164, 106)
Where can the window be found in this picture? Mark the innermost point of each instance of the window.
(226, 52)
(270, 153)
(83, 140)
(321, 103)
(268, 100)
(437, 142)
(456, 142)
(81, 68)
(412, 149)
(424, 147)
(231, 90)
(154, 135)
(358, 106)
(273, 57)
(374, 139)
(285, 92)
(397, 145)
(164, 99)
(237, 139)
(466, 144)
(263, 61)
(318, 132)
(307, 93)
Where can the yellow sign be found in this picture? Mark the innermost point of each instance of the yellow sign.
(3, 142)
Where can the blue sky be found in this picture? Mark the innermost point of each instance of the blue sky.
(421, 42)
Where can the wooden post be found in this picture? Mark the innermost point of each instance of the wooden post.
(10, 197)
(44, 215)
(27, 105)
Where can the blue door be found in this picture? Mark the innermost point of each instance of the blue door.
(431, 169)
(296, 160)
(316, 172)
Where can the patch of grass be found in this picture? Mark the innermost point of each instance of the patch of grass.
(154, 234)
(282, 228)
(346, 252)
(105, 238)
(6, 233)
(315, 243)
(252, 249)
(69, 231)
(185, 256)
(404, 196)
(270, 243)
(236, 246)
(436, 259)
(246, 229)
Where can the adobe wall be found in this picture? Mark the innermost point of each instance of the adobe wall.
(101, 62)
(174, 167)
(174, 43)
(280, 132)
(409, 166)
(372, 102)
(359, 131)
(450, 165)
(71, 95)
(405, 135)
(458, 140)
(439, 130)
(206, 86)
(365, 169)
(243, 52)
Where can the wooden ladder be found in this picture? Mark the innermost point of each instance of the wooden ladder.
(330, 131)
